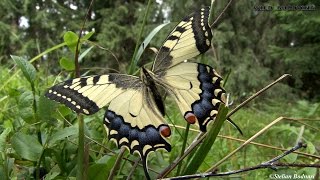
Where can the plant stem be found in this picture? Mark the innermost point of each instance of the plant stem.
(186, 133)
(80, 170)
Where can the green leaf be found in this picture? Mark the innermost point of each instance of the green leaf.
(71, 39)
(26, 107)
(26, 67)
(307, 171)
(310, 148)
(291, 158)
(26, 146)
(3, 138)
(61, 134)
(146, 41)
(67, 64)
(54, 172)
(98, 171)
(87, 36)
(46, 109)
(207, 143)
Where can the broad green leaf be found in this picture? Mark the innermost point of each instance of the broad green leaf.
(67, 64)
(307, 171)
(103, 159)
(26, 107)
(61, 134)
(87, 36)
(146, 41)
(64, 110)
(98, 171)
(71, 39)
(3, 138)
(26, 67)
(54, 172)
(46, 108)
(205, 147)
(26, 146)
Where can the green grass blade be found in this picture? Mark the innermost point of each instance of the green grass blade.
(205, 147)
(146, 41)
(132, 65)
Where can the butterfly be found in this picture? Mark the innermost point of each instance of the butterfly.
(135, 115)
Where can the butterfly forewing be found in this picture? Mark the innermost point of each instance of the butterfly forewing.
(191, 37)
(88, 94)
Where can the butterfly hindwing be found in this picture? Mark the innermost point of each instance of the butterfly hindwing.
(134, 121)
(191, 37)
(197, 89)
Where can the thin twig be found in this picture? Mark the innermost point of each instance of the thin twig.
(117, 163)
(257, 94)
(103, 48)
(220, 15)
(134, 167)
(167, 170)
(269, 164)
(270, 147)
(245, 143)
(76, 59)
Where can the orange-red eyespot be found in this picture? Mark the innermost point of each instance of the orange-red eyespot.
(165, 131)
(190, 118)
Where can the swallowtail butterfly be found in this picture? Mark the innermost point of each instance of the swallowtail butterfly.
(135, 115)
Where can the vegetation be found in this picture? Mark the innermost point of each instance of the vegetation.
(251, 47)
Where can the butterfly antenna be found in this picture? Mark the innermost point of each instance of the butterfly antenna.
(235, 125)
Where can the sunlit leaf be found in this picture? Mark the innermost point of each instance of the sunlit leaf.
(3, 138)
(87, 36)
(67, 64)
(71, 39)
(26, 67)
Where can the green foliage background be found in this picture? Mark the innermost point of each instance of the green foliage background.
(255, 47)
